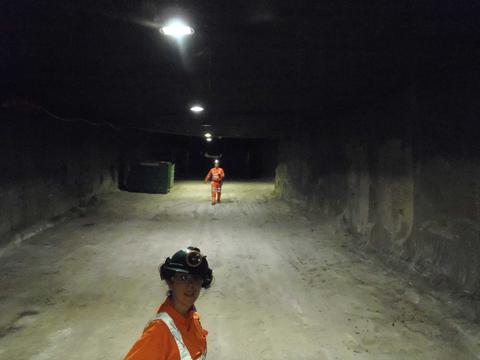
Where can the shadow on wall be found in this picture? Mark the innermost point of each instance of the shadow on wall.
(407, 193)
(49, 167)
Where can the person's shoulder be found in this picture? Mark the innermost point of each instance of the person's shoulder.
(156, 327)
(156, 342)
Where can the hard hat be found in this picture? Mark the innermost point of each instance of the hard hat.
(189, 260)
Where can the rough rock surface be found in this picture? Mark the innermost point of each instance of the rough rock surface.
(49, 167)
(405, 189)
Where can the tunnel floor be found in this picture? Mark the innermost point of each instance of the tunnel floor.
(285, 287)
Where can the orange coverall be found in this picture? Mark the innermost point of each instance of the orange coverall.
(216, 175)
(157, 342)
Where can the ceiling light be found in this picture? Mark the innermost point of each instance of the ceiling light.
(176, 29)
(208, 135)
(209, 139)
(196, 109)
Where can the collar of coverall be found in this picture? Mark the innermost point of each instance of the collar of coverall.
(168, 307)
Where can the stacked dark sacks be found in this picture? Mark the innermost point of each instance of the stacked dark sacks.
(151, 177)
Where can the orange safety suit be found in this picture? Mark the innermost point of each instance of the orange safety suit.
(158, 343)
(216, 175)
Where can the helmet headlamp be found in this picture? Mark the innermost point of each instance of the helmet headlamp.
(194, 258)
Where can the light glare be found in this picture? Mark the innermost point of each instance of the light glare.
(209, 139)
(208, 135)
(176, 29)
(196, 108)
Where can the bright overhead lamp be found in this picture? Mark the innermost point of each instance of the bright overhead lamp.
(209, 139)
(196, 109)
(208, 135)
(177, 29)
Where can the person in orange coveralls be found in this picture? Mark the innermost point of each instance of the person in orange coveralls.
(176, 333)
(216, 175)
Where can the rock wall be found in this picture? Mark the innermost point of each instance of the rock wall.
(403, 177)
(48, 167)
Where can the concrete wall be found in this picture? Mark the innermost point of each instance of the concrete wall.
(48, 167)
(403, 177)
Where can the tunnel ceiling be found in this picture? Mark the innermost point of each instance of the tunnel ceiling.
(258, 66)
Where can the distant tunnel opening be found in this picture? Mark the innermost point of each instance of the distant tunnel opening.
(193, 156)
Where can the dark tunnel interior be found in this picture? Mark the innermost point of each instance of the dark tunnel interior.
(364, 113)
(193, 156)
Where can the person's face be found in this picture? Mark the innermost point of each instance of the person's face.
(216, 165)
(186, 289)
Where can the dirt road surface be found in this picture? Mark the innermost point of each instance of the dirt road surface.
(286, 287)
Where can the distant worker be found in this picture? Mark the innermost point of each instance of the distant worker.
(175, 333)
(216, 176)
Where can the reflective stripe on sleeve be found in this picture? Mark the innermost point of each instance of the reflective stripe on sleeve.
(182, 349)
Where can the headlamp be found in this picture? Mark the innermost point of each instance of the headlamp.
(194, 258)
